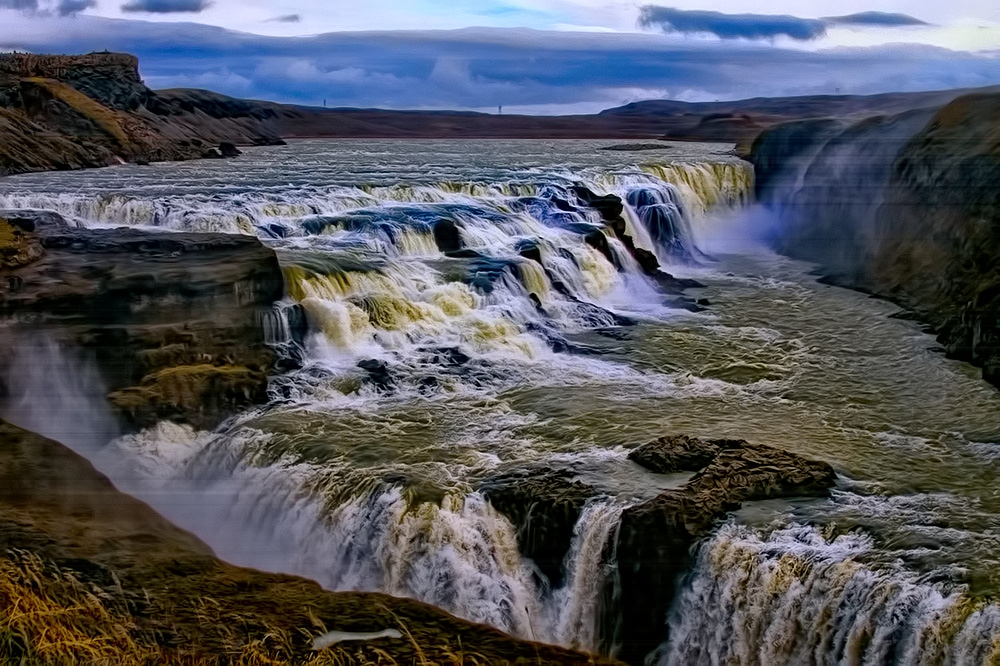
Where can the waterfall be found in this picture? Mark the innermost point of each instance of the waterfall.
(439, 299)
(796, 597)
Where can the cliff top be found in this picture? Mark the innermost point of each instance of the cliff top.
(57, 66)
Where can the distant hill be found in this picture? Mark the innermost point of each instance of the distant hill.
(67, 112)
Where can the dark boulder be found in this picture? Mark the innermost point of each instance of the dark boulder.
(448, 236)
(378, 372)
(227, 149)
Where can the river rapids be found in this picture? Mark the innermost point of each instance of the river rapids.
(425, 373)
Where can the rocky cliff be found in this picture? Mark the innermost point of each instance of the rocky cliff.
(905, 207)
(70, 112)
(175, 323)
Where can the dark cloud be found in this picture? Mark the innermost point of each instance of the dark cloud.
(730, 26)
(287, 18)
(165, 6)
(875, 19)
(24, 5)
(70, 7)
(481, 68)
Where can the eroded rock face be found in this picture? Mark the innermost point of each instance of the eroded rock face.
(173, 320)
(655, 538)
(544, 506)
(905, 207)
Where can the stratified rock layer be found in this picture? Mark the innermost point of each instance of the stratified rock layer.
(172, 320)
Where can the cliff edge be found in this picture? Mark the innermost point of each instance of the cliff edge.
(905, 207)
(72, 112)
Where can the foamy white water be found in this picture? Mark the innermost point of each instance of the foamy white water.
(515, 352)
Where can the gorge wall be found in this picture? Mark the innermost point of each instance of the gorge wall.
(71, 112)
(903, 206)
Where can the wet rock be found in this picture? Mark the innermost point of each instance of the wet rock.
(378, 372)
(529, 249)
(451, 357)
(680, 453)
(655, 537)
(544, 506)
(609, 206)
(597, 240)
(212, 154)
(447, 236)
(227, 149)
(704, 301)
(683, 303)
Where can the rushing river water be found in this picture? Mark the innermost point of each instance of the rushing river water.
(366, 477)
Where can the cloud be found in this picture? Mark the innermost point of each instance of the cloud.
(24, 5)
(71, 7)
(479, 68)
(761, 26)
(730, 26)
(286, 18)
(165, 6)
(875, 19)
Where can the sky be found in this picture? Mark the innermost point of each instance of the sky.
(530, 56)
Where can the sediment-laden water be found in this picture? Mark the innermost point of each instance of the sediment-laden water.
(426, 373)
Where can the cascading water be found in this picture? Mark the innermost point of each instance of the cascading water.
(468, 321)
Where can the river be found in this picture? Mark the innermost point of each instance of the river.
(487, 361)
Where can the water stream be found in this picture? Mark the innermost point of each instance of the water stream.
(528, 347)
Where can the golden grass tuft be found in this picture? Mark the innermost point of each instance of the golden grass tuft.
(102, 116)
(48, 615)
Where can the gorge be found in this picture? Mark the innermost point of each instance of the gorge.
(569, 393)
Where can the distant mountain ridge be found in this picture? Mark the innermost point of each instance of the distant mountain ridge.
(69, 112)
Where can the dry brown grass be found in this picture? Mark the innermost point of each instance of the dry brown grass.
(100, 115)
(48, 615)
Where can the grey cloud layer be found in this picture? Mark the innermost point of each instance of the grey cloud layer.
(760, 26)
(481, 68)
(165, 6)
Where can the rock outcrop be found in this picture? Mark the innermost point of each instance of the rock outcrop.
(652, 545)
(71, 112)
(904, 207)
(544, 506)
(172, 320)
(655, 538)
(90, 575)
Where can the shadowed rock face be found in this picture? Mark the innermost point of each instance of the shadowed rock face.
(905, 207)
(173, 320)
(65, 528)
(544, 506)
(655, 538)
